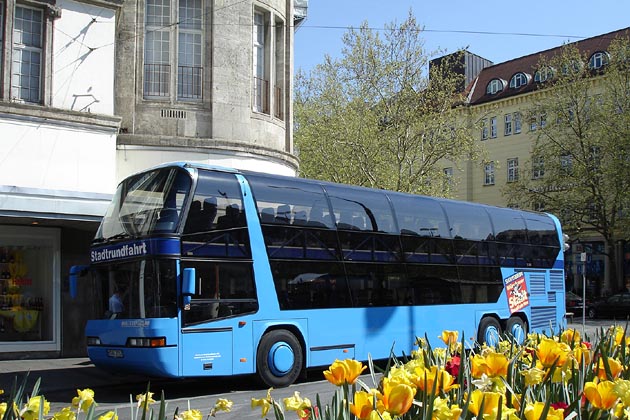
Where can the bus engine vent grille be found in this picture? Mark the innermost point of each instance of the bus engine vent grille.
(551, 297)
(556, 279)
(544, 318)
(173, 113)
(537, 284)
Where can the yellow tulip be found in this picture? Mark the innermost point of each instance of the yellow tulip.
(3, 409)
(344, 372)
(490, 402)
(493, 364)
(428, 377)
(615, 368)
(363, 404)
(600, 394)
(571, 336)
(31, 410)
(442, 411)
(66, 413)
(550, 351)
(84, 399)
(583, 354)
(450, 338)
(534, 411)
(396, 399)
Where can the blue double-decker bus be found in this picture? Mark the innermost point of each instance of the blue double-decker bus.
(204, 271)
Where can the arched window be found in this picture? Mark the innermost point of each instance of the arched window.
(518, 80)
(543, 74)
(598, 60)
(494, 86)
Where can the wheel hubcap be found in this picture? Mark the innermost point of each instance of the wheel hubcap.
(281, 358)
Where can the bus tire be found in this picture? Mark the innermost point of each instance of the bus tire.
(516, 328)
(489, 331)
(279, 359)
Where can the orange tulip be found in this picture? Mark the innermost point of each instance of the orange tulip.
(363, 404)
(396, 399)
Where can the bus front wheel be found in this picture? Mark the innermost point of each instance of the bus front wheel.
(279, 360)
(489, 331)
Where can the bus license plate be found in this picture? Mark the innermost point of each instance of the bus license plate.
(115, 353)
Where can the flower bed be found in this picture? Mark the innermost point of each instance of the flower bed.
(545, 377)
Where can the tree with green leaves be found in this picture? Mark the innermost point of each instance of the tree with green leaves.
(375, 117)
(580, 161)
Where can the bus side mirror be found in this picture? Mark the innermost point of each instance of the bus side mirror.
(188, 286)
(76, 271)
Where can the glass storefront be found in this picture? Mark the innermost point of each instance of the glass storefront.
(29, 289)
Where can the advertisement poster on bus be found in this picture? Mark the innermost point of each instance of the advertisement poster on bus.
(516, 291)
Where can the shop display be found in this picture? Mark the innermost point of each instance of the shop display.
(20, 307)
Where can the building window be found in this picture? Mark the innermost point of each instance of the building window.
(538, 121)
(518, 80)
(448, 178)
(517, 122)
(538, 167)
(161, 55)
(566, 164)
(494, 86)
(484, 129)
(488, 170)
(493, 127)
(508, 125)
(268, 64)
(512, 170)
(598, 60)
(26, 68)
(538, 206)
(543, 74)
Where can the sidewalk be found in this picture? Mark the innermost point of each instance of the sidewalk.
(59, 375)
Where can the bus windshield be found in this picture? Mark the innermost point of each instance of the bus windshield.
(137, 289)
(148, 203)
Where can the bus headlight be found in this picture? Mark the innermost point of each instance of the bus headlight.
(146, 342)
(93, 341)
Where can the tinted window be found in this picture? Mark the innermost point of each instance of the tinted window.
(468, 221)
(216, 224)
(541, 230)
(420, 216)
(290, 202)
(222, 290)
(357, 209)
(509, 225)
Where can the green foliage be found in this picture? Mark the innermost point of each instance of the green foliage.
(375, 118)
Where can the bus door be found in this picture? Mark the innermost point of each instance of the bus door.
(224, 292)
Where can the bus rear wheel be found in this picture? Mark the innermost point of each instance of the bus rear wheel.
(517, 328)
(489, 331)
(279, 360)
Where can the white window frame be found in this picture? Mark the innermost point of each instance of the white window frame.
(259, 63)
(518, 122)
(168, 47)
(507, 127)
(512, 170)
(31, 48)
(538, 167)
(484, 129)
(518, 80)
(598, 60)
(494, 86)
(493, 127)
(488, 170)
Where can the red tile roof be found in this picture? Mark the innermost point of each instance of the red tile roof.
(528, 64)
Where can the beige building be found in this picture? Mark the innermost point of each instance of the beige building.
(206, 81)
(498, 100)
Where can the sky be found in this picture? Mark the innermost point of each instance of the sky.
(494, 30)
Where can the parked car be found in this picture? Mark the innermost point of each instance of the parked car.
(615, 306)
(574, 303)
